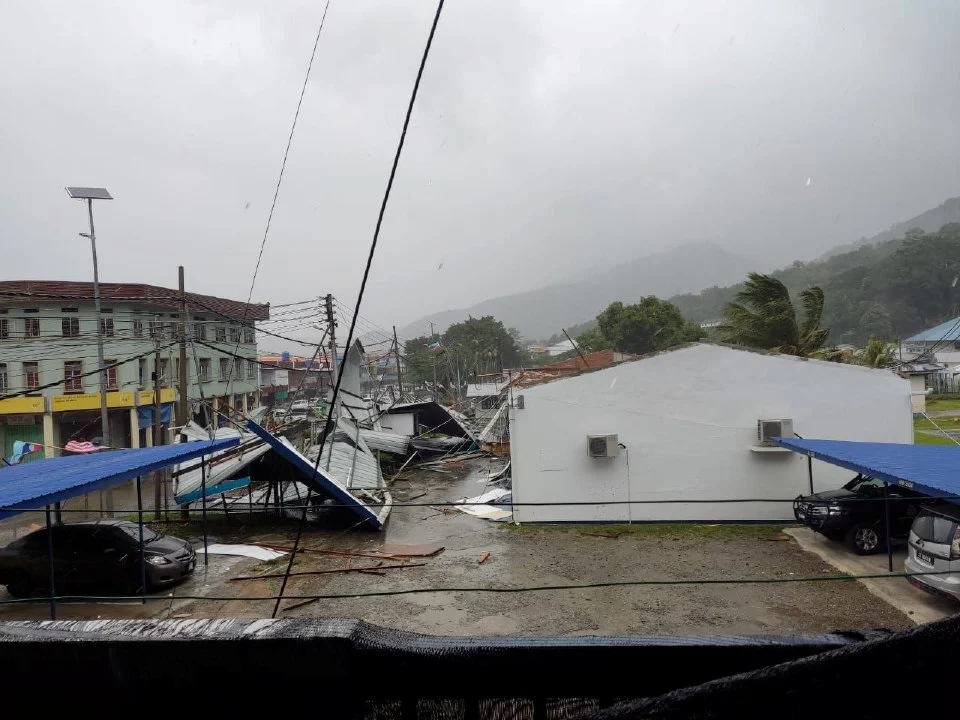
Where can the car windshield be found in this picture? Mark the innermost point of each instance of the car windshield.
(934, 528)
(134, 532)
(865, 485)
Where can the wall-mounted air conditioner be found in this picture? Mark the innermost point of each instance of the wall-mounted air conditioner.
(603, 446)
(767, 429)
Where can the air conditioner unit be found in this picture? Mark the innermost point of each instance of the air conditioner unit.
(603, 446)
(767, 429)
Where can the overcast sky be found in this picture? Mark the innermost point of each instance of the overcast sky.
(548, 136)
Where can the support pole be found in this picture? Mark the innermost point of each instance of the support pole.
(104, 414)
(143, 558)
(57, 513)
(810, 472)
(157, 428)
(184, 404)
(396, 349)
(53, 589)
(886, 514)
(203, 500)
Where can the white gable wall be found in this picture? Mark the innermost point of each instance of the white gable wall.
(688, 418)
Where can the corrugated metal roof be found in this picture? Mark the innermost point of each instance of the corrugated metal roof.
(58, 290)
(351, 461)
(45, 482)
(944, 332)
(484, 389)
(320, 480)
(386, 441)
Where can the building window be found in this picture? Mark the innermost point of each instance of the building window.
(111, 367)
(204, 371)
(106, 327)
(31, 327)
(31, 375)
(138, 328)
(142, 372)
(199, 328)
(4, 329)
(249, 336)
(234, 334)
(69, 310)
(70, 326)
(164, 368)
(251, 369)
(238, 404)
(155, 329)
(72, 370)
(221, 333)
(4, 382)
(224, 369)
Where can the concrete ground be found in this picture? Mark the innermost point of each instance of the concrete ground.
(524, 556)
(919, 606)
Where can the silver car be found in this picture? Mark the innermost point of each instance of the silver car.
(934, 547)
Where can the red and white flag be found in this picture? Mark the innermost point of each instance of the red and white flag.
(81, 446)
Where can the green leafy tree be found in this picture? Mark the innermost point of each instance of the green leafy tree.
(649, 325)
(763, 316)
(877, 354)
(591, 340)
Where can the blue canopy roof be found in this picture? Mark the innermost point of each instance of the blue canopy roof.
(931, 469)
(317, 479)
(41, 483)
(944, 332)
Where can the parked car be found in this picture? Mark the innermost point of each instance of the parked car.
(855, 513)
(934, 547)
(94, 556)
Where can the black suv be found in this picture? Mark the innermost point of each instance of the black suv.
(95, 556)
(855, 513)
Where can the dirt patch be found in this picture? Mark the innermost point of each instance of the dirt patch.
(561, 555)
(529, 555)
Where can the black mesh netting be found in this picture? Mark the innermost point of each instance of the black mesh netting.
(345, 668)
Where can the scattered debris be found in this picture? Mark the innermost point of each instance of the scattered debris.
(377, 567)
(252, 551)
(479, 507)
(484, 557)
(398, 550)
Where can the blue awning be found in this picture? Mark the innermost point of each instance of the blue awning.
(933, 470)
(41, 483)
(316, 478)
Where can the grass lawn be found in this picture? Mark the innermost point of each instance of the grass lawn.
(943, 403)
(666, 530)
(922, 438)
(947, 423)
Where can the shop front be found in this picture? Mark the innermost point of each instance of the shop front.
(21, 419)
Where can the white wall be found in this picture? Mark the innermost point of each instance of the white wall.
(401, 423)
(918, 386)
(688, 418)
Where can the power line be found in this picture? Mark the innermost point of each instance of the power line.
(363, 286)
(474, 589)
(283, 165)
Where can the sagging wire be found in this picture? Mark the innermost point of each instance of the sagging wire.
(363, 286)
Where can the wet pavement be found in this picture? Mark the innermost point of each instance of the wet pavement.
(520, 557)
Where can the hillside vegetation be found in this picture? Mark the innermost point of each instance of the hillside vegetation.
(891, 289)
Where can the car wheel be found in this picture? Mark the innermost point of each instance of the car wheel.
(20, 586)
(865, 539)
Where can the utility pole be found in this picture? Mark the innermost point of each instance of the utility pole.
(184, 405)
(436, 389)
(91, 194)
(157, 430)
(396, 349)
(332, 324)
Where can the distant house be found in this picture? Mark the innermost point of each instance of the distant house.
(923, 379)
(692, 424)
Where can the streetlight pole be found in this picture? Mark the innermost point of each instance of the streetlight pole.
(91, 194)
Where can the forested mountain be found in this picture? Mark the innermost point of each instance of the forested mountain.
(890, 290)
(539, 313)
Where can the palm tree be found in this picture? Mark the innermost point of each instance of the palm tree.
(763, 316)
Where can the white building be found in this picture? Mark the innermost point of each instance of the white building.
(686, 426)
